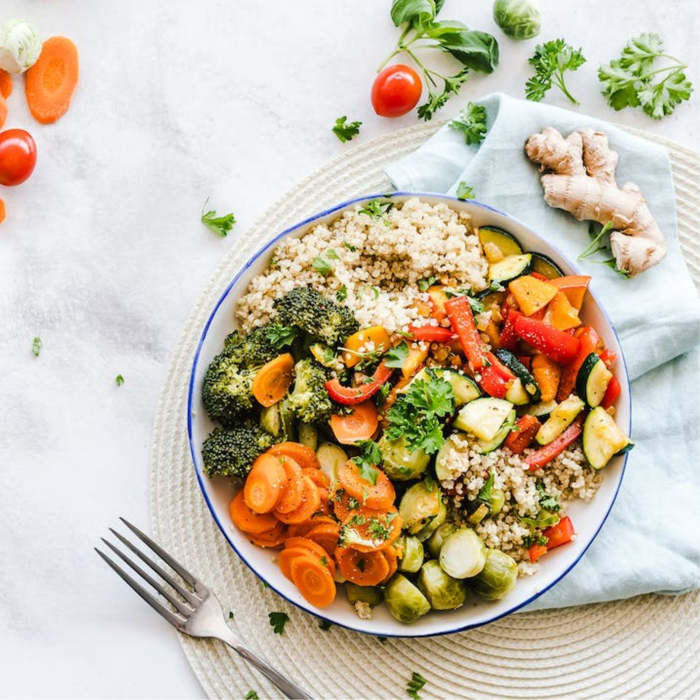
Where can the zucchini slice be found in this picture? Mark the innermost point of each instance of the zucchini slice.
(444, 457)
(308, 435)
(486, 446)
(419, 505)
(331, 458)
(545, 266)
(516, 394)
(509, 268)
(592, 380)
(559, 420)
(465, 389)
(542, 409)
(521, 372)
(602, 438)
(270, 420)
(495, 239)
(483, 417)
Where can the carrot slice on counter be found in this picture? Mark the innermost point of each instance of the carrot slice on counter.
(290, 498)
(263, 485)
(272, 380)
(270, 538)
(378, 496)
(369, 530)
(359, 423)
(304, 456)
(248, 520)
(326, 535)
(5, 83)
(362, 568)
(310, 502)
(50, 82)
(313, 579)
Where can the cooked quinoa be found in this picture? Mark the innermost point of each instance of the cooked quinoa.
(377, 261)
(567, 477)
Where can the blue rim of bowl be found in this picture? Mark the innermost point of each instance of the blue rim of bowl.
(190, 394)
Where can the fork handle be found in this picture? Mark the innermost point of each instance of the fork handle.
(291, 690)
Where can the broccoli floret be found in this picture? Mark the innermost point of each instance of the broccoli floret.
(232, 451)
(227, 389)
(320, 317)
(257, 347)
(309, 400)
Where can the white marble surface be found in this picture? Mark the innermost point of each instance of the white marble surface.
(102, 256)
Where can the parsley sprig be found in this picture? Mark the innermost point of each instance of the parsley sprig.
(277, 621)
(396, 356)
(464, 191)
(416, 414)
(220, 225)
(415, 685)
(368, 459)
(377, 208)
(345, 130)
(36, 346)
(473, 49)
(472, 123)
(280, 336)
(635, 79)
(550, 61)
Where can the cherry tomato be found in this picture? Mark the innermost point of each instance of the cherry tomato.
(17, 156)
(396, 90)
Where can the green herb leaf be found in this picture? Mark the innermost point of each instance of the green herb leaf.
(322, 265)
(368, 459)
(349, 246)
(280, 336)
(381, 639)
(119, 380)
(474, 49)
(413, 11)
(536, 538)
(345, 130)
(464, 191)
(451, 86)
(342, 293)
(427, 282)
(36, 346)
(550, 61)
(220, 225)
(278, 620)
(547, 501)
(484, 494)
(472, 123)
(376, 208)
(415, 685)
(396, 356)
(230, 615)
(325, 625)
(251, 695)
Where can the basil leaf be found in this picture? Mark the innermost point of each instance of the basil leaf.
(436, 30)
(475, 49)
(414, 11)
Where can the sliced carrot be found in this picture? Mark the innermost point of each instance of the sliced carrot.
(374, 337)
(2, 211)
(263, 485)
(318, 477)
(379, 495)
(313, 548)
(285, 558)
(389, 553)
(344, 505)
(290, 498)
(3, 111)
(272, 380)
(50, 82)
(304, 456)
(359, 423)
(325, 535)
(301, 529)
(314, 580)
(368, 529)
(5, 83)
(248, 520)
(310, 502)
(362, 568)
(270, 538)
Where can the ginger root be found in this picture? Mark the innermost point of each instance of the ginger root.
(579, 177)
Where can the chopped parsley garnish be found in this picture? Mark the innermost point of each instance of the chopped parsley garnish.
(368, 459)
(230, 615)
(280, 336)
(342, 293)
(345, 130)
(396, 356)
(465, 191)
(251, 695)
(353, 503)
(415, 685)
(484, 494)
(547, 501)
(416, 413)
(36, 346)
(119, 380)
(472, 123)
(427, 282)
(550, 62)
(377, 208)
(325, 625)
(278, 620)
(537, 538)
(322, 264)
(220, 225)
(349, 246)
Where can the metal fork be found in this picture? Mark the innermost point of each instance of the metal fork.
(196, 611)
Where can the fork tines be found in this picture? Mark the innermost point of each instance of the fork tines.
(183, 600)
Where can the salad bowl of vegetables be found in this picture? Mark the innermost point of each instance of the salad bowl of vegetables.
(374, 475)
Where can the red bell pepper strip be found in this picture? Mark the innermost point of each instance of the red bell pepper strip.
(590, 342)
(608, 358)
(508, 337)
(555, 344)
(536, 551)
(460, 314)
(547, 453)
(522, 434)
(432, 334)
(492, 382)
(539, 276)
(352, 395)
(501, 370)
(525, 360)
(612, 393)
(559, 534)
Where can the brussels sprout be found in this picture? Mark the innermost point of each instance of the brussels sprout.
(419, 505)
(331, 458)
(442, 591)
(20, 45)
(410, 554)
(479, 514)
(497, 500)
(438, 537)
(498, 576)
(308, 435)
(400, 463)
(462, 554)
(404, 600)
(365, 594)
(425, 532)
(519, 19)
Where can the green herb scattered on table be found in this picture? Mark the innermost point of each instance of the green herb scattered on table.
(220, 225)
(550, 61)
(464, 191)
(230, 615)
(36, 346)
(251, 695)
(415, 685)
(119, 380)
(346, 130)
(278, 620)
(472, 123)
(325, 625)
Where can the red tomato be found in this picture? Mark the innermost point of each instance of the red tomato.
(17, 156)
(396, 90)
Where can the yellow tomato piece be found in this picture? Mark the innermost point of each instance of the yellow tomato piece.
(531, 294)
(561, 314)
(414, 359)
(372, 339)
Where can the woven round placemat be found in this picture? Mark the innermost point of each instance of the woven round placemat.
(649, 645)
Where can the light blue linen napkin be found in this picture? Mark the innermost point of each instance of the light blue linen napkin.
(651, 541)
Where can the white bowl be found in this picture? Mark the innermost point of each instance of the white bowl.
(588, 518)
